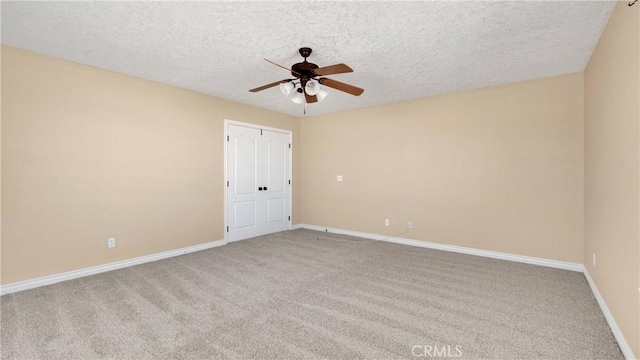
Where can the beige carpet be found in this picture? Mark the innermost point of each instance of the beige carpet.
(292, 295)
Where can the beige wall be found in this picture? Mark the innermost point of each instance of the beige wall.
(498, 169)
(88, 154)
(612, 169)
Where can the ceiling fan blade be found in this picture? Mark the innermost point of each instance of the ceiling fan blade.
(353, 90)
(310, 98)
(280, 66)
(269, 85)
(333, 69)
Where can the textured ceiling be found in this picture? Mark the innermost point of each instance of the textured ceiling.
(398, 50)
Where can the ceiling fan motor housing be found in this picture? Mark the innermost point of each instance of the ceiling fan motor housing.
(304, 70)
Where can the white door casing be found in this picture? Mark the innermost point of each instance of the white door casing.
(258, 171)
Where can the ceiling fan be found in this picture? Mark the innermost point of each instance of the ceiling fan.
(305, 87)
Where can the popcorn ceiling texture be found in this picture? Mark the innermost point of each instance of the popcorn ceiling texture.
(398, 50)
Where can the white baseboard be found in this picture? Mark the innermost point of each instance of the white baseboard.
(624, 346)
(453, 248)
(296, 226)
(48, 280)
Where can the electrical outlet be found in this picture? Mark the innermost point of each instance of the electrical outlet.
(386, 222)
(339, 178)
(111, 242)
(410, 225)
(594, 259)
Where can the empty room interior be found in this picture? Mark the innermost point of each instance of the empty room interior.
(320, 180)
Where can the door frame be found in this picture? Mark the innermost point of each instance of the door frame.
(228, 122)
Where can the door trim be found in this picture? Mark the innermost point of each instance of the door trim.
(228, 122)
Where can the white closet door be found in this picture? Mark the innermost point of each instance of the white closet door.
(244, 173)
(275, 153)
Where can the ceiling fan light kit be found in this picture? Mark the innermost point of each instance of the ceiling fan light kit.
(322, 93)
(287, 88)
(306, 86)
(298, 98)
(312, 87)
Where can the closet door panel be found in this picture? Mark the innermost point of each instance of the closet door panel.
(244, 173)
(275, 150)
